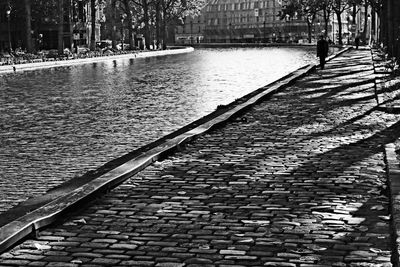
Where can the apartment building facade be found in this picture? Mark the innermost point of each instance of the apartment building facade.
(251, 21)
(256, 21)
(45, 24)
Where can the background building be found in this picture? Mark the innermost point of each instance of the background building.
(252, 21)
(82, 21)
(255, 21)
(45, 23)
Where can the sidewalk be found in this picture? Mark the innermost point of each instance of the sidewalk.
(298, 180)
(5, 69)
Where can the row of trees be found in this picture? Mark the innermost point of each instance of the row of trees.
(309, 9)
(136, 14)
(146, 14)
(390, 28)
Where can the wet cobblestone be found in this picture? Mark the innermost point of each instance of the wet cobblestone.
(298, 181)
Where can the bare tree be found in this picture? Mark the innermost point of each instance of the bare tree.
(28, 13)
(93, 25)
(113, 23)
(366, 21)
(128, 13)
(326, 7)
(376, 6)
(60, 26)
(310, 8)
(172, 10)
(307, 9)
(144, 5)
(339, 6)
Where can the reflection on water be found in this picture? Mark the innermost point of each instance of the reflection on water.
(59, 123)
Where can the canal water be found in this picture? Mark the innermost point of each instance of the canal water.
(56, 124)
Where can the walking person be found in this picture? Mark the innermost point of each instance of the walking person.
(322, 51)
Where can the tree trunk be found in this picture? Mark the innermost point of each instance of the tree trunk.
(384, 29)
(378, 28)
(71, 26)
(390, 28)
(158, 24)
(129, 17)
(326, 20)
(113, 24)
(146, 24)
(373, 25)
(365, 29)
(29, 45)
(309, 28)
(339, 18)
(396, 11)
(354, 13)
(164, 25)
(61, 27)
(93, 25)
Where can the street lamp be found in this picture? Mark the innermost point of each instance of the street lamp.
(8, 13)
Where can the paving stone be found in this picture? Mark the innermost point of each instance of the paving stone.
(170, 264)
(279, 264)
(61, 264)
(106, 262)
(37, 263)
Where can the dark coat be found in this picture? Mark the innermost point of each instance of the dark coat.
(322, 48)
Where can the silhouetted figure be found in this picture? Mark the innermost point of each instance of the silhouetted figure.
(322, 51)
(357, 41)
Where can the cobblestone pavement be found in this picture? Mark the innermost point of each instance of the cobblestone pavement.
(61, 124)
(298, 180)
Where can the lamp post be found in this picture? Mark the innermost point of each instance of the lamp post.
(8, 13)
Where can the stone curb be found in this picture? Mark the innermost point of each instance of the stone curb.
(30, 223)
(62, 63)
(393, 174)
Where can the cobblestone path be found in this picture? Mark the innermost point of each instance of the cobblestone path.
(298, 180)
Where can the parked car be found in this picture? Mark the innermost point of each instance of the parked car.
(126, 46)
(104, 44)
(52, 53)
(82, 50)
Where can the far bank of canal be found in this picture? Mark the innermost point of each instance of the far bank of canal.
(59, 123)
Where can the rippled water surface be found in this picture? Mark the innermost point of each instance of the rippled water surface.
(59, 123)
